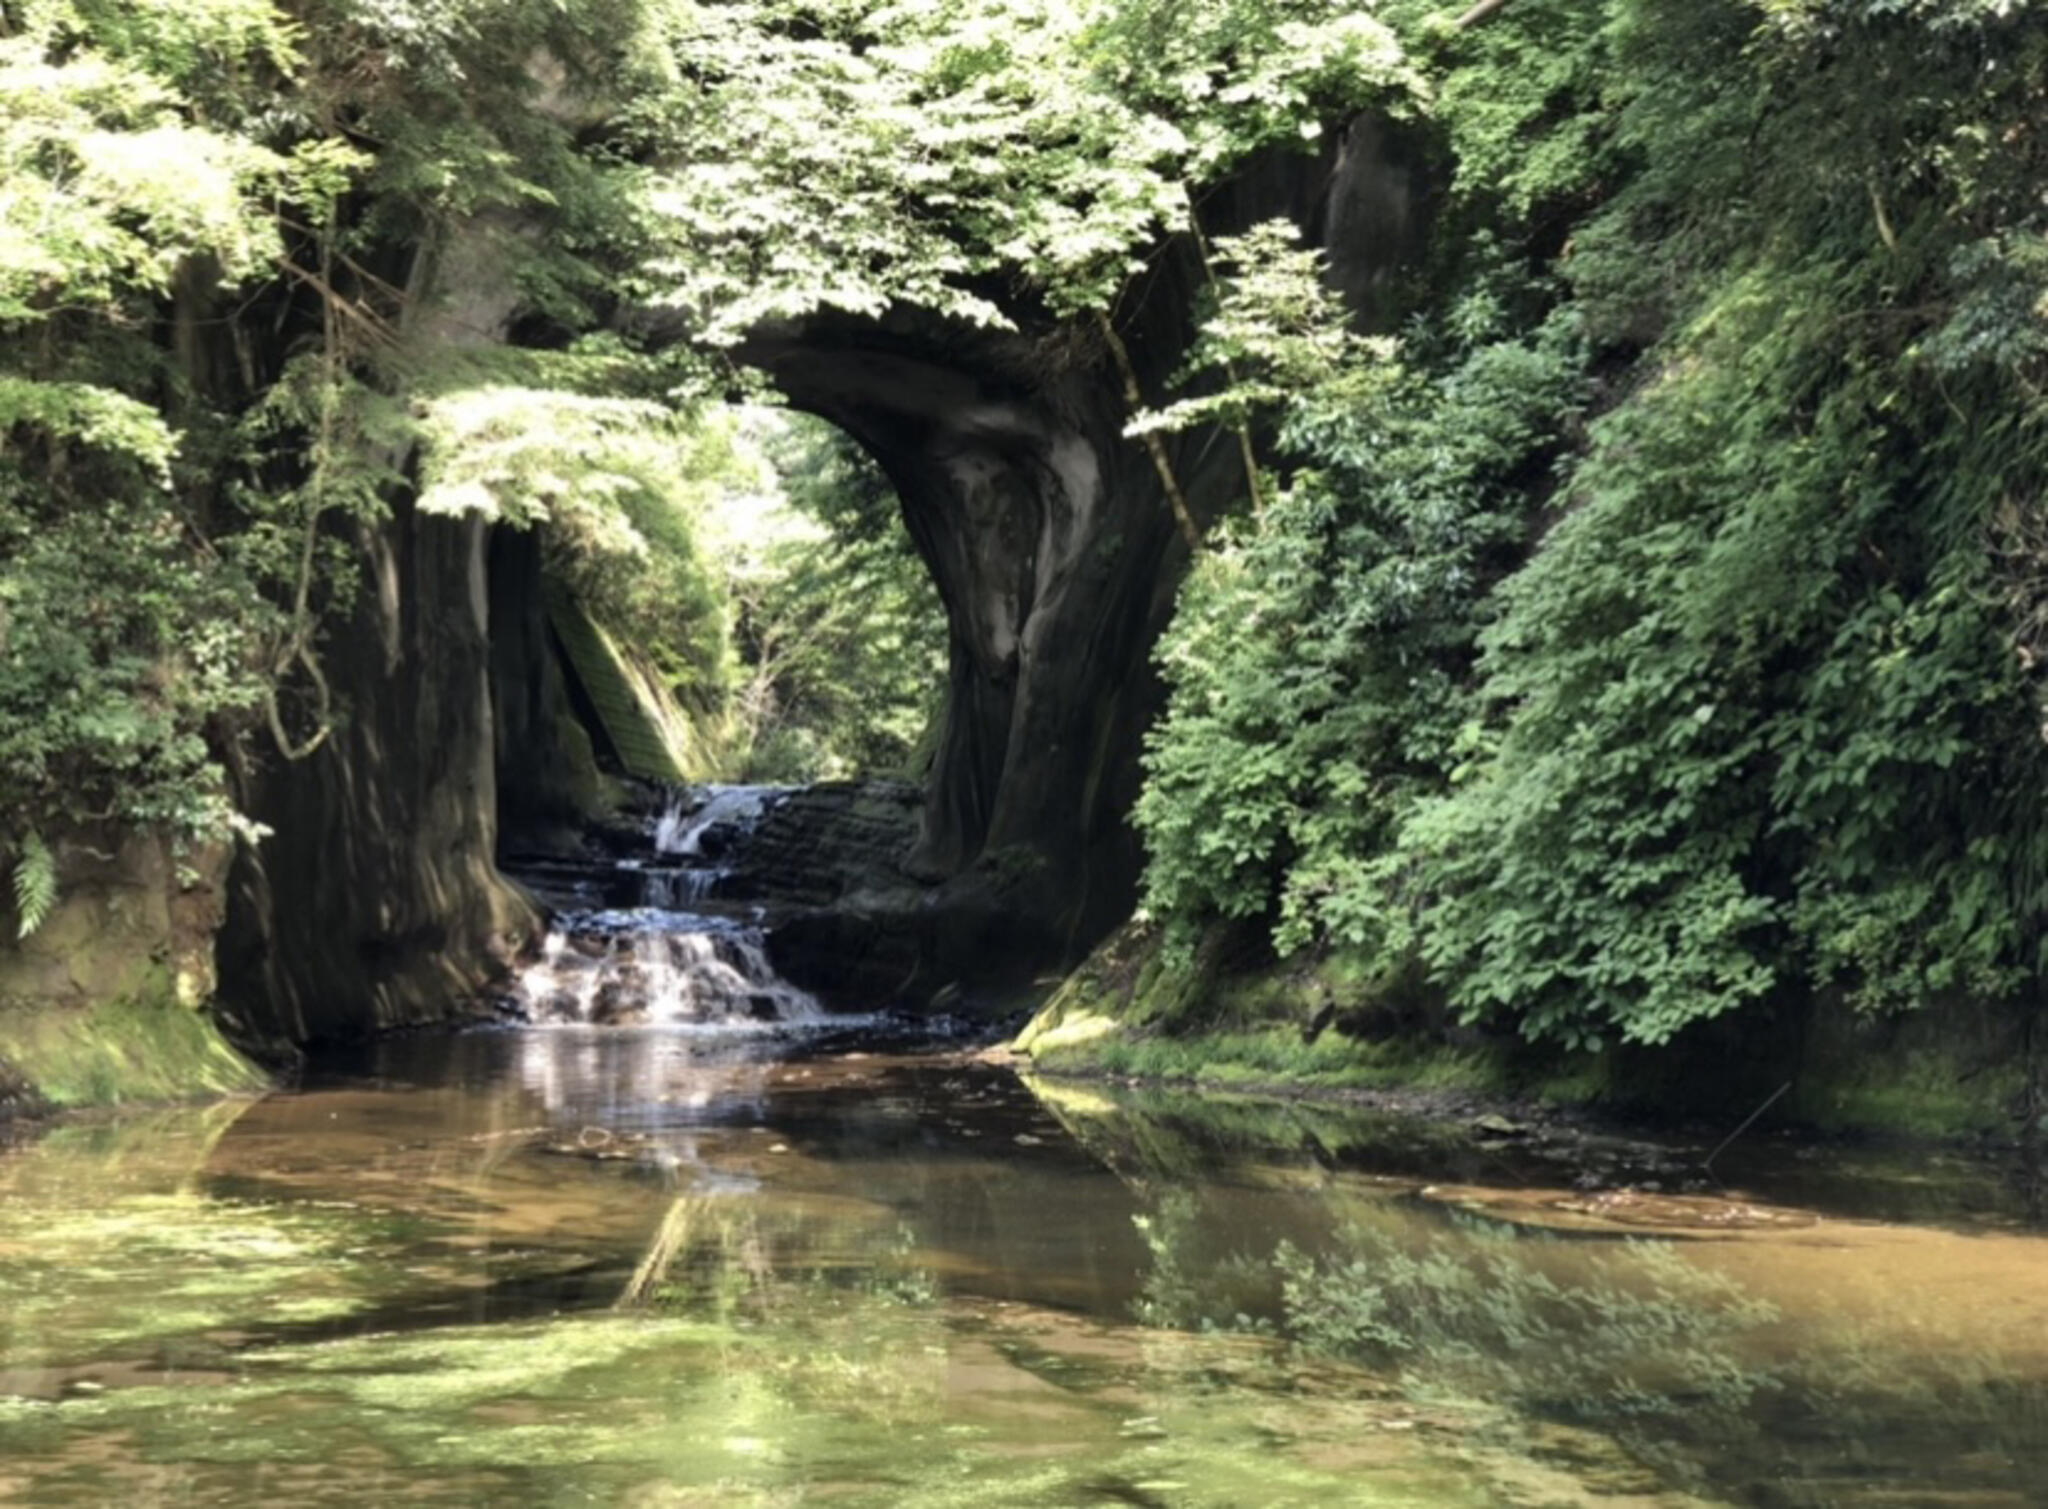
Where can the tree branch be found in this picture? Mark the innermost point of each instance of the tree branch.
(1479, 13)
(1135, 398)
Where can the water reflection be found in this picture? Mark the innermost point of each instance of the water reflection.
(668, 1269)
(1725, 1346)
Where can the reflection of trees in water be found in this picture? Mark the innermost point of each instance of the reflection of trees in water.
(853, 1317)
(727, 1257)
(1633, 1331)
(1679, 1367)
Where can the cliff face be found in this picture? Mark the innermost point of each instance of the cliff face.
(376, 903)
(376, 900)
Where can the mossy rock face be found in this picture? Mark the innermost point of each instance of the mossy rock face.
(1958, 1070)
(1218, 1017)
(135, 914)
(143, 1049)
(1135, 1009)
(106, 1002)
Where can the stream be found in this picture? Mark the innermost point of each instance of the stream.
(682, 1237)
(642, 1266)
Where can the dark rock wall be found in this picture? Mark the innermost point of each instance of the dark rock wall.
(375, 902)
(549, 784)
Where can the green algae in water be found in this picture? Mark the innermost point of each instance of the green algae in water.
(776, 1354)
(873, 1294)
(861, 1401)
(122, 1280)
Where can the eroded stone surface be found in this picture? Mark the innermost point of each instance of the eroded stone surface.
(1053, 548)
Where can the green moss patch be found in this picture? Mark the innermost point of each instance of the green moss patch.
(1133, 1010)
(1327, 1024)
(1269, 1057)
(122, 1052)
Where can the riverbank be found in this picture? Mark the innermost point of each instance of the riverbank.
(1323, 1029)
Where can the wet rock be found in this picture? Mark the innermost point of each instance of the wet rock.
(1501, 1126)
(823, 844)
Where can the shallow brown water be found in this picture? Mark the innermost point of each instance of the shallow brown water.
(561, 1267)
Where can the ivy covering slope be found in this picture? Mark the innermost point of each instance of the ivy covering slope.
(1656, 629)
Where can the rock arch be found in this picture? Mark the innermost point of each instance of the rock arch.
(1054, 549)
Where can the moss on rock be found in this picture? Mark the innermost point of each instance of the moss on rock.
(106, 1002)
(141, 1048)
(1135, 1009)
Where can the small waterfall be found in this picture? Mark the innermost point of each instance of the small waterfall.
(657, 969)
(736, 808)
(698, 836)
(678, 890)
(643, 941)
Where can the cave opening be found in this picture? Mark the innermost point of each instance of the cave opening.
(755, 614)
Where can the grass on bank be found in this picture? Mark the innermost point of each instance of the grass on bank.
(1321, 1026)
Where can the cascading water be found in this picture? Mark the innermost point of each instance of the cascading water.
(677, 890)
(680, 829)
(672, 960)
(658, 969)
(690, 836)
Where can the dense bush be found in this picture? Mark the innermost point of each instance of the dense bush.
(1759, 710)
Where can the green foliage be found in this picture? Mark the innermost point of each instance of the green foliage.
(754, 558)
(1760, 712)
(110, 187)
(838, 624)
(246, 263)
(117, 640)
(617, 488)
(35, 882)
(844, 155)
(1761, 722)
(209, 214)
(1275, 336)
(1655, 627)
(1320, 654)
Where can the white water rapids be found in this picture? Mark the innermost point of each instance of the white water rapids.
(658, 969)
(666, 962)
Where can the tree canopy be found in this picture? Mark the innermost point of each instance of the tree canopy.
(1651, 633)
(1649, 624)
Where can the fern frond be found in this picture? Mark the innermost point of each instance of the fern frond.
(35, 883)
